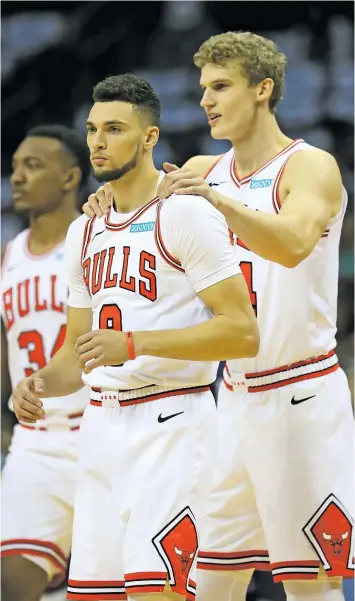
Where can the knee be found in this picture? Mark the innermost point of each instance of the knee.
(15, 585)
(222, 585)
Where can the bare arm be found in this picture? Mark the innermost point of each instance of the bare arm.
(310, 192)
(62, 375)
(230, 334)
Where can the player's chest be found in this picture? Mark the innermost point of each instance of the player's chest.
(259, 193)
(127, 262)
(30, 289)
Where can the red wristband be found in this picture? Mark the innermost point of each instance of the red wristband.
(129, 338)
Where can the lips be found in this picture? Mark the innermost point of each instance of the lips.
(212, 117)
(18, 193)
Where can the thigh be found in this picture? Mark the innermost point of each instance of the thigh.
(98, 529)
(232, 536)
(37, 498)
(300, 457)
(172, 465)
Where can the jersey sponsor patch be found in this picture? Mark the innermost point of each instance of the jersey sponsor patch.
(260, 183)
(142, 227)
(330, 532)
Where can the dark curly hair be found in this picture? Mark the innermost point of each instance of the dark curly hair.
(132, 89)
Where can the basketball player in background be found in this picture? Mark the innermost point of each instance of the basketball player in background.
(50, 166)
(283, 496)
(156, 299)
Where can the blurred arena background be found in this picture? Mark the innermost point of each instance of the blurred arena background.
(54, 52)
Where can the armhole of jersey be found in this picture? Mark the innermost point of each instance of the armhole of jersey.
(6, 255)
(164, 253)
(87, 236)
(220, 157)
(276, 187)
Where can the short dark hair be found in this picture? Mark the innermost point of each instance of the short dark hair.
(130, 88)
(72, 144)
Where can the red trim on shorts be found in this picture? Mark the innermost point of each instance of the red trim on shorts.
(311, 376)
(153, 397)
(164, 253)
(145, 582)
(100, 585)
(27, 550)
(277, 370)
(45, 429)
(247, 560)
(220, 157)
(292, 570)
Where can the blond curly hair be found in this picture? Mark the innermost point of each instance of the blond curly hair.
(259, 57)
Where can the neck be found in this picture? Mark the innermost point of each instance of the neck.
(260, 145)
(49, 229)
(136, 188)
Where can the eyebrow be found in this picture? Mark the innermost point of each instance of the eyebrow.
(111, 122)
(214, 81)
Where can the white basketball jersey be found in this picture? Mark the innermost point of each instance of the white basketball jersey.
(137, 278)
(34, 297)
(296, 308)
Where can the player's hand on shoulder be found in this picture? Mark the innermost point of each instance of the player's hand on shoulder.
(182, 180)
(101, 347)
(26, 402)
(100, 202)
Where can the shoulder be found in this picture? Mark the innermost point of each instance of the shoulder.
(79, 225)
(190, 213)
(311, 161)
(202, 164)
(13, 246)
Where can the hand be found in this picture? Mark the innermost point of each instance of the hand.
(100, 202)
(101, 347)
(183, 181)
(27, 404)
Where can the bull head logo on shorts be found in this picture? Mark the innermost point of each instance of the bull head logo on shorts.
(330, 532)
(185, 557)
(177, 546)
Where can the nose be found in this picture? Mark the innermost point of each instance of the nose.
(18, 175)
(98, 141)
(207, 100)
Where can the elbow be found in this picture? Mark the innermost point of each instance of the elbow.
(246, 340)
(252, 343)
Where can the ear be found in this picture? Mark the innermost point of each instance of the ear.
(151, 138)
(72, 178)
(265, 89)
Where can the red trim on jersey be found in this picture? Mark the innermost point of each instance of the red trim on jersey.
(42, 255)
(164, 253)
(233, 170)
(96, 596)
(153, 397)
(121, 226)
(220, 157)
(87, 237)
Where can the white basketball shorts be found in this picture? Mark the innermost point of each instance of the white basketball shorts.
(37, 497)
(145, 470)
(283, 494)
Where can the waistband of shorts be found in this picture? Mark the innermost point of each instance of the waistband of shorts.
(315, 367)
(108, 397)
(56, 423)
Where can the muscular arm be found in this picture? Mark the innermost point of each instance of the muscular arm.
(230, 334)
(62, 375)
(311, 191)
